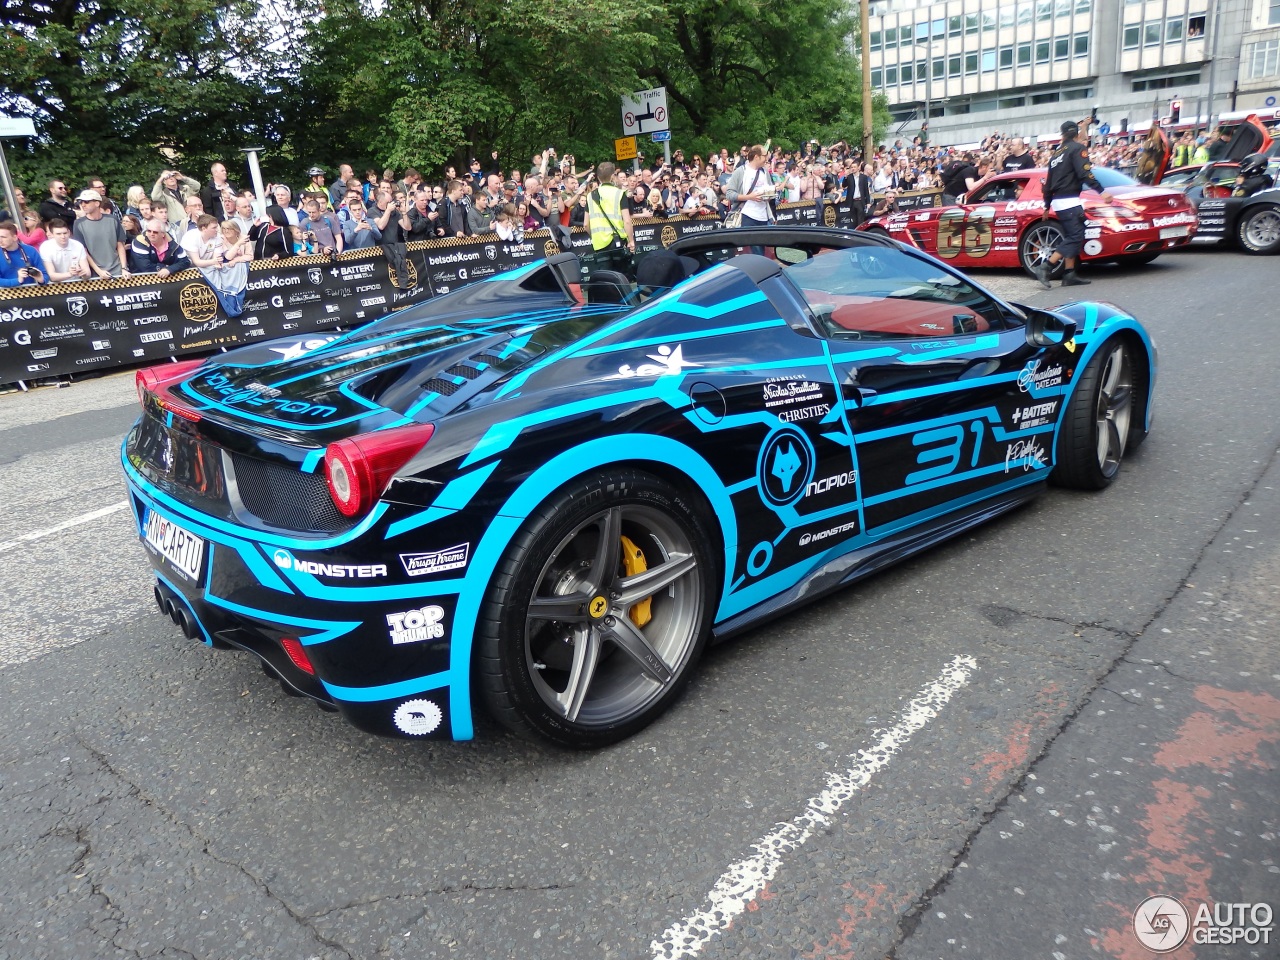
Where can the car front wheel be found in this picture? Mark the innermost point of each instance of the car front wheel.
(1095, 429)
(1259, 230)
(598, 611)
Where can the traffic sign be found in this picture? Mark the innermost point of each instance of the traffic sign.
(645, 111)
(658, 136)
(624, 148)
(16, 127)
(1104, 129)
(1270, 101)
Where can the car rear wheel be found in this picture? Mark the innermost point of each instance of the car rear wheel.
(1259, 230)
(1038, 243)
(1095, 430)
(598, 612)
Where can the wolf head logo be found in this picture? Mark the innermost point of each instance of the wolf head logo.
(786, 463)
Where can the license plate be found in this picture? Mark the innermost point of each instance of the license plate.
(180, 547)
(1167, 232)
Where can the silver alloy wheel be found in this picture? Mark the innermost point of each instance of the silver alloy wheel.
(589, 661)
(1114, 408)
(1262, 230)
(1038, 244)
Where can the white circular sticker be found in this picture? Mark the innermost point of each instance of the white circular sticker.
(417, 718)
(1161, 924)
(1093, 247)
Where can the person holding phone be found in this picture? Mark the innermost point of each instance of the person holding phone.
(19, 263)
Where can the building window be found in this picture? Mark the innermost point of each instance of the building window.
(1006, 17)
(1084, 93)
(1133, 36)
(904, 74)
(922, 32)
(970, 64)
(938, 26)
(1062, 48)
(1010, 102)
(1273, 12)
(1164, 83)
(1045, 98)
(1195, 27)
(890, 76)
(988, 61)
(1173, 31)
(970, 23)
(955, 25)
(988, 22)
(922, 69)
(1024, 54)
(877, 77)
(1084, 6)
(953, 66)
(939, 69)
(1006, 58)
(1081, 45)
(1264, 60)
(875, 39)
(1151, 35)
(1042, 51)
(1025, 12)
(891, 38)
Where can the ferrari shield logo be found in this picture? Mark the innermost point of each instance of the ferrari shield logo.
(77, 306)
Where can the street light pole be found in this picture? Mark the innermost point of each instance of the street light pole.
(864, 16)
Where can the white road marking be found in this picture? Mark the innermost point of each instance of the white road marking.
(64, 525)
(745, 880)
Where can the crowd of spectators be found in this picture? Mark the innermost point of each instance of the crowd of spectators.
(218, 227)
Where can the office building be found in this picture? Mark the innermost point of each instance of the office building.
(974, 66)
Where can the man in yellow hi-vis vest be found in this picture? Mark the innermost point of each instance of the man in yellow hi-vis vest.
(609, 220)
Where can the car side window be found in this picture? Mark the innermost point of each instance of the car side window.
(883, 293)
(1003, 191)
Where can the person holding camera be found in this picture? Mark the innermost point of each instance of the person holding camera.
(172, 190)
(322, 228)
(19, 263)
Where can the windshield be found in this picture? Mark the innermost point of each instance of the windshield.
(885, 293)
(1113, 178)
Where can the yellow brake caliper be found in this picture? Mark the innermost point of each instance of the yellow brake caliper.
(633, 562)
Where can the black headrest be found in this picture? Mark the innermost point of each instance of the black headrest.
(662, 268)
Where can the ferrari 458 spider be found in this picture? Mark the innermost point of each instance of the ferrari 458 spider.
(546, 494)
(1000, 225)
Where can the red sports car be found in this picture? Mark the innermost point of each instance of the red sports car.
(999, 224)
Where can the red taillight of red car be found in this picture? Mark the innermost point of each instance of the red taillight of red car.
(297, 654)
(358, 469)
(151, 379)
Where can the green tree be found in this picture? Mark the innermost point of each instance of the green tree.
(429, 82)
(121, 87)
(743, 70)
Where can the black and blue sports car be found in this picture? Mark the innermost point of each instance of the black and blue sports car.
(546, 494)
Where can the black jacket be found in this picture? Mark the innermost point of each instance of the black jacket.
(1069, 170)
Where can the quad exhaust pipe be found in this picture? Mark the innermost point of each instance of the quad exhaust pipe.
(176, 611)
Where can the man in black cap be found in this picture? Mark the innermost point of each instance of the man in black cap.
(1069, 170)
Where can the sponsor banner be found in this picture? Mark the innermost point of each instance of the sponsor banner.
(100, 324)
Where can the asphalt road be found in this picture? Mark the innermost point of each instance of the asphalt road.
(997, 750)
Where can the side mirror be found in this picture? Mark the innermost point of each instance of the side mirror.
(1046, 329)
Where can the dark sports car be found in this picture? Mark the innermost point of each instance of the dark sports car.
(1253, 222)
(999, 224)
(547, 494)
